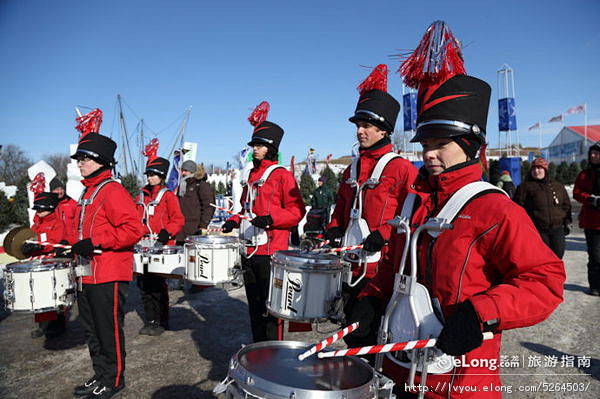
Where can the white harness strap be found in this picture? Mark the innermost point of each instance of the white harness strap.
(88, 201)
(460, 199)
(149, 208)
(408, 205)
(250, 194)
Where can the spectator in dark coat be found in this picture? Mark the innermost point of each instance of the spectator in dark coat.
(195, 197)
(547, 204)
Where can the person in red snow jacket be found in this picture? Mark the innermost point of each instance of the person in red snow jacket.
(587, 192)
(67, 206)
(490, 272)
(48, 227)
(375, 119)
(158, 208)
(275, 206)
(110, 223)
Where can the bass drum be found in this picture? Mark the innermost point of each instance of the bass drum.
(271, 370)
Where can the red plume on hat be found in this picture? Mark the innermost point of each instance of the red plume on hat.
(90, 122)
(150, 150)
(377, 80)
(259, 115)
(437, 58)
(38, 184)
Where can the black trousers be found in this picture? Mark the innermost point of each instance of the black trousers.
(350, 298)
(555, 240)
(101, 313)
(257, 271)
(155, 296)
(592, 238)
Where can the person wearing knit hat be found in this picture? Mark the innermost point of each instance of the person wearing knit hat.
(48, 227)
(505, 183)
(548, 205)
(159, 211)
(67, 206)
(587, 192)
(272, 201)
(360, 215)
(195, 196)
(108, 222)
(488, 272)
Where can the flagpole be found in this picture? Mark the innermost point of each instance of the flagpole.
(585, 122)
(540, 129)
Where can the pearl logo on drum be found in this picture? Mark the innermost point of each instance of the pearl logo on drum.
(202, 261)
(292, 287)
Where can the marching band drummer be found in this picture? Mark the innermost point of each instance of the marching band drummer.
(375, 118)
(277, 205)
(48, 227)
(67, 206)
(110, 222)
(159, 210)
(491, 271)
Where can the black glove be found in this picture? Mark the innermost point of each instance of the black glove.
(367, 312)
(594, 200)
(163, 236)
(462, 332)
(333, 235)
(60, 252)
(28, 248)
(198, 232)
(262, 221)
(228, 226)
(374, 242)
(83, 248)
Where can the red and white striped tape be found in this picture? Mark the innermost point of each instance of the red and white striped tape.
(393, 347)
(230, 212)
(328, 341)
(53, 245)
(213, 230)
(38, 257)
(341, 249)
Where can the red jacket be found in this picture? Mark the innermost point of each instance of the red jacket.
(493, 257)
(167, 214)
(113, 224)
(380, 204)
(49, 229)
(589, 217)
(278, 197)
(67, 211)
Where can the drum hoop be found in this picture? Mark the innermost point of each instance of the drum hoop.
(39, 267)
(236, 367)
(198, 245)
(212, 240)
(313, 268)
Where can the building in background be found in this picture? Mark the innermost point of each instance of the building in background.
(570, 143)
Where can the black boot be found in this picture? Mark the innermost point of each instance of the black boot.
(106, 392)
(156, 329)
(87, 387)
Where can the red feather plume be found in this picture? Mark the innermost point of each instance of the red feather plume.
(377, 80)
(38, 184)
(259, 115)
(151, 149)
(90, 122)
(437, 58)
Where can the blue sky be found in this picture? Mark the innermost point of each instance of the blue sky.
(224, 57)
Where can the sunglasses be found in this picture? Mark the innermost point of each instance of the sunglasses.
(83, 158)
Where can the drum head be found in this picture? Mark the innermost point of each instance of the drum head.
(308, 260)
(38, 265)
(212, 240)
(15, 239)
(276, 362)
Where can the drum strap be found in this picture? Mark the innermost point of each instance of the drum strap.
(88, 201)
(149, 208)
(250, 195)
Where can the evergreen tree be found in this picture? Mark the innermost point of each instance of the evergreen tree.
(574, 170)
(552, 171)
(307, 186)
(130, 182)
(213, 185)
(5, 212)
(583, 163)
(525, 170)
(20, 204)
(562, 173)
(332, 181)
(221, 188)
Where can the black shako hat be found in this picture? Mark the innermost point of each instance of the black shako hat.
(378, 108)
(45, 201)
(158, 166)
(268, 134)
(100, 148)
(456, 107)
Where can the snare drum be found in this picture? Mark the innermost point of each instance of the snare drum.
(167, 259)
(305, 286)
(39, 285)
(140, 258)
(212, 259)
(272, 370)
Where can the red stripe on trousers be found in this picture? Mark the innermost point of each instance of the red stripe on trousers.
(116, 323)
